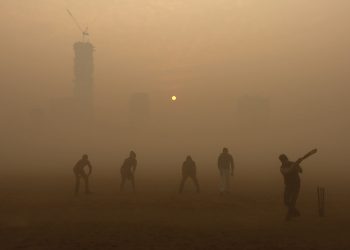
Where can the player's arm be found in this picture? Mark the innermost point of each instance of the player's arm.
(232, 164)
(300, 170)
(75, 167)
(90, 168)
(314, 151)
(289, 170)
(183, 169)
(134, 166)
(296, 164)
(292, 169)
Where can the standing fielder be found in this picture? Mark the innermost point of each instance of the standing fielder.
(290, 171)
(226, 166)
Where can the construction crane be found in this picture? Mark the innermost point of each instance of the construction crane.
(84, 32)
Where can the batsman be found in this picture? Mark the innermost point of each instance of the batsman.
(290, 171)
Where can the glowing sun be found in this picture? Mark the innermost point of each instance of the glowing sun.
(173, 98)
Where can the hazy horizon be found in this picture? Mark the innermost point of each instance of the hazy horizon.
(210, 54)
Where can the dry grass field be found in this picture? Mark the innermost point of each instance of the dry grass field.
(42, 213)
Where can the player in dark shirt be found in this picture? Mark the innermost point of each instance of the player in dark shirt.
(290, 171)
(189, 171)
(79, 173)
(226, 166)
(128, 169)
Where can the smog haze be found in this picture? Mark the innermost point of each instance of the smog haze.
(259, 77)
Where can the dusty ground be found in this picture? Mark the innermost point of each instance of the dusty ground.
(42, 213)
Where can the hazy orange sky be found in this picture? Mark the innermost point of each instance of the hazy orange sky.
(252, 47)
(294, 53)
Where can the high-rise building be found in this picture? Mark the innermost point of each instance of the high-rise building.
(84, 82)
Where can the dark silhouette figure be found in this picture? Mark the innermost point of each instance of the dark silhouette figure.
(226, 166)
(81, 174)
(189, 171)
(290, 171)
(127, 170)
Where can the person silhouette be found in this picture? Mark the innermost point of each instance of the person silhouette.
(226, 166)
(128, 169)
(290, 171)
(189, 171)
(80, 173)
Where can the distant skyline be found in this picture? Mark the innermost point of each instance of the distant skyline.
(294, 53)
(246, 46)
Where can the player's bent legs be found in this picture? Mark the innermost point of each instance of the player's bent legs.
(122, 183)
(77, 183)
(291, 194)
(222, 181)
(294, 198)
(87, 187)
(195, 181)
(182, 183)
(227, 180)
(132, 179)
(286, 197)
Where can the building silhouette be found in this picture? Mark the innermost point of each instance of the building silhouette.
(84, 81)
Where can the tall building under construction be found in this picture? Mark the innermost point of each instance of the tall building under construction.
(84, 82)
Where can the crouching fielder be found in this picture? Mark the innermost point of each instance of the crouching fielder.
(189, 170)
(80, 173)
(128, 169)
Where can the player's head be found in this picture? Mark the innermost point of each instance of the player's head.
(132, 154)
(85, 157)
(225, 150)
(188, 158)
(283, 158)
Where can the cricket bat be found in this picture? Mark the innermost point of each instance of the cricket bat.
(312, 152)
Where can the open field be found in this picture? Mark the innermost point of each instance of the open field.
(42, 213)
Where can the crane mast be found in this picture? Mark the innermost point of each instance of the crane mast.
(84, 32)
